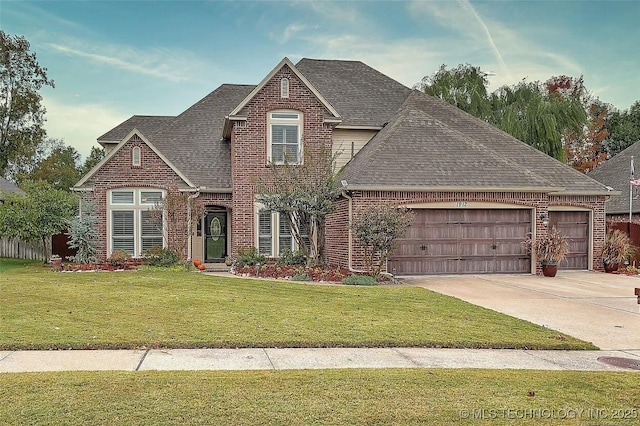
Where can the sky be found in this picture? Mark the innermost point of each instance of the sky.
(114, 59)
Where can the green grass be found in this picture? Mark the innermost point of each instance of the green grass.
(8, 265)
(354, 397)
(48, 310)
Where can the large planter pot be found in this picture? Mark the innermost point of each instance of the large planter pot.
(611, 267)
(549, 270)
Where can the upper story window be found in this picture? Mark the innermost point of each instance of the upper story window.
(285, 137)
(135, 157)
(284, 88)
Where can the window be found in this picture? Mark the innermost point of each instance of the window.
(274, 234)
(135, 156)
(151, 231)
(131, 227)
(285, 137)
(284, 88)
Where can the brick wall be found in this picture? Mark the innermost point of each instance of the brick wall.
(338, 225)
(249, 146)
(118, 172)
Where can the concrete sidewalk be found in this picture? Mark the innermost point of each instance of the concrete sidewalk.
(302, 358)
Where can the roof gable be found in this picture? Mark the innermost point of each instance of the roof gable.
(135, 132)
(234, 114)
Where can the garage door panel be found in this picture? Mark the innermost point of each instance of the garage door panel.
(574, 225)
(464, 241)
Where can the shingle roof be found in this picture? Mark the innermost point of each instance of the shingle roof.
(8, 188)
(362, 95)
(149, 125)
(615, 172)
(192, 142)
(430, 143)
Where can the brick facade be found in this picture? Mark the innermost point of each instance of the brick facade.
(118, 172)
(249, 157)
(338, 227)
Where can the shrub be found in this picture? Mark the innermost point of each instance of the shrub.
(287, 257)
(301, 277)
(359, 280)
(162, 257)
(249, 256)
(119, 258)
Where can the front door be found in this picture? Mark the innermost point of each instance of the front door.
(215, 241)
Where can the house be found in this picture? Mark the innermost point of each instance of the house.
(476, 192)
(7, 187)
(616, 173)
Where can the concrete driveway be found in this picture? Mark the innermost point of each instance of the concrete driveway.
(592, 306)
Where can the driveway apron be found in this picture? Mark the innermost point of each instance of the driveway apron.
(593, 306)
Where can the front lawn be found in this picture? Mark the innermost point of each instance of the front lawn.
(40, 309)
(350, 397)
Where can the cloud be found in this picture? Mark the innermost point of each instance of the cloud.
(175, 65)
(79, 124)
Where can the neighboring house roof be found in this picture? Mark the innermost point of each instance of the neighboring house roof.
(430, 144)
(615, 173)
(149, 125)
(362, 95)
(7, 187)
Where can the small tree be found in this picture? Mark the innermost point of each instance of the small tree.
(304, 195)
(38, 215)
(83, 234)
(178, 211)
(377, 229)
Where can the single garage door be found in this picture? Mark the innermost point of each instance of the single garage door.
(462, 241)
(574, 225)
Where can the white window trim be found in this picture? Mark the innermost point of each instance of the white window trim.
(275, 232)
(137, 207)
(290, 121)
(136, 157)
(284, 87)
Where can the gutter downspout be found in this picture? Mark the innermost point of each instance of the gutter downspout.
(189, 224)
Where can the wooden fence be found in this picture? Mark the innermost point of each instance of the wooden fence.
(22, 250)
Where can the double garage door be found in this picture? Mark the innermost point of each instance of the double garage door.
(476, 241)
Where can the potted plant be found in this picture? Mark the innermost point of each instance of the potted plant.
(550, 249)
(228, 261)
(616, 249)
(56, 262)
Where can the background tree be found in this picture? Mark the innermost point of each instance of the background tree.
(304, 195)
(95, 156)
(464, 86)
(21, 111)
(624, 128)
(52, 162)
(377, 228)
(41, 213)
(540, 115)
(83, 234)
(178, 211)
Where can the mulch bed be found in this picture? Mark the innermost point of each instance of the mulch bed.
(315, 273)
